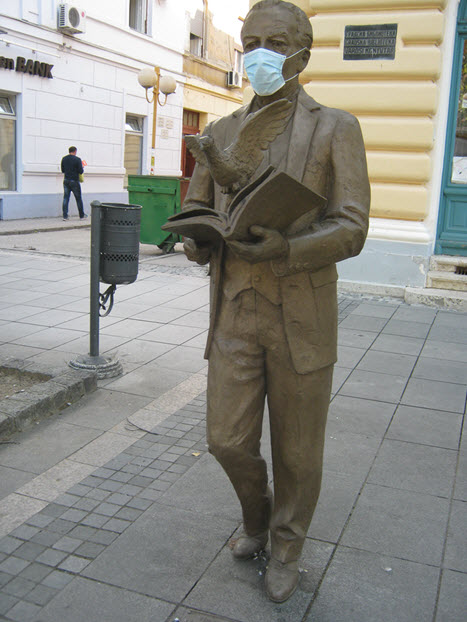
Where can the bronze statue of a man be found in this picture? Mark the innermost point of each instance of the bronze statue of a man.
(273, 317)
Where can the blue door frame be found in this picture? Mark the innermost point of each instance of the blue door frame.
(452, 220)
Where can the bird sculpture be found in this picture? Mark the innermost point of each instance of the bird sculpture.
(233, 167)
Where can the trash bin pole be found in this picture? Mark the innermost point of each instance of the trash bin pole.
(95, 270)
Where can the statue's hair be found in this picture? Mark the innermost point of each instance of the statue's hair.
(304, 29)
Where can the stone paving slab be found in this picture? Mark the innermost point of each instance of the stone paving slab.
(235, 589)
(204, 489)
(11, 479)
(426, 427)
(453, 592)
(415, 467)
(357, 415)
(399, 523)
(456, 547)
(166, 552)
(333, 509)
(374, 587)
(53, 442)
(95, 602)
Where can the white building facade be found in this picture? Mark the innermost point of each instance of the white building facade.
(60, 88)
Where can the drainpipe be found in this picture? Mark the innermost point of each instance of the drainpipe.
(205, 28)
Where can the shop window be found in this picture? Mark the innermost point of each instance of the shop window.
(133, 146)
(138, 17)
(7, 142)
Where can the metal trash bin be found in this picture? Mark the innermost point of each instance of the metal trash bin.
(119, 243)
(159, 198)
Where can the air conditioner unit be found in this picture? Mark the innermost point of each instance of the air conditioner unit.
(71, 19)
(234, 79)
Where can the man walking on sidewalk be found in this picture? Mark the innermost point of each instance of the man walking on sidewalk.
(72, 168)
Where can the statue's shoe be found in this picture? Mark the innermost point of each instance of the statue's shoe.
(281, 580)
(247, 546)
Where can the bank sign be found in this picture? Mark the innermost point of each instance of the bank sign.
(23, 65)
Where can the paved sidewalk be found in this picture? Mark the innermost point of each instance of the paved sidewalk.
(114, 510)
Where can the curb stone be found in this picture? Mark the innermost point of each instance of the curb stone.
(45, 229)
(43, 399)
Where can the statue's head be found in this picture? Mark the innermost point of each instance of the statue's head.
(277, 37)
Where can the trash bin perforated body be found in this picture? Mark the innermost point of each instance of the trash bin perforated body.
(119, 243)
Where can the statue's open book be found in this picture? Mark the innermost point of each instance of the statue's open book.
(274, 200)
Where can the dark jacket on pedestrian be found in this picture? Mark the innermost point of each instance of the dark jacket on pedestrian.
(72, 167)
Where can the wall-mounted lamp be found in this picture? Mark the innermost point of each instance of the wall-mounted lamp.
(152, 79)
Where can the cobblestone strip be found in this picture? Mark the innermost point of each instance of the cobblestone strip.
(42, 556)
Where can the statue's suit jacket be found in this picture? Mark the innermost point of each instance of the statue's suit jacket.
(325, 153)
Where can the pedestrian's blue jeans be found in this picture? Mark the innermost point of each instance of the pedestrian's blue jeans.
(70, 185)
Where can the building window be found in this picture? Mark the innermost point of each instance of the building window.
(197, 33)
(133, 146)
(190, 122)
(196, 45)
(138, 17)
(238, 61)
(7, 142)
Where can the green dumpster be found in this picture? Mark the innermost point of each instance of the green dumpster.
(159, 198)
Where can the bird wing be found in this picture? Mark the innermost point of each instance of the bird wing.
(258, 131)
(194, 145)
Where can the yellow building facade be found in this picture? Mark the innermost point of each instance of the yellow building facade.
(402, 104)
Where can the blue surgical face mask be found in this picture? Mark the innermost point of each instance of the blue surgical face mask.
(264, 70)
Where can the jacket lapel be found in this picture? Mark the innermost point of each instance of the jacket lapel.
(239, 115)
(304, 125)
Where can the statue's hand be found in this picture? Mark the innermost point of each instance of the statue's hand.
(199, 252)
(270, 245)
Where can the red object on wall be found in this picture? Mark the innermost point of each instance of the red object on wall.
(190, 127)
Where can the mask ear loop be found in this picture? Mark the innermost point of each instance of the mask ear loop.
(291, 56)
(288, 79)
(295, 53)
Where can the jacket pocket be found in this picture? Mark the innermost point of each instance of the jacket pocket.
(326, 275)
